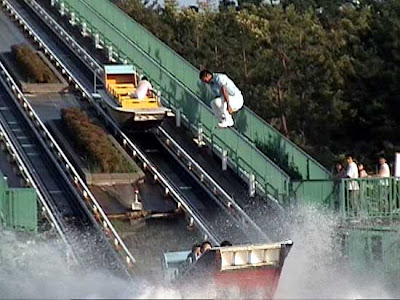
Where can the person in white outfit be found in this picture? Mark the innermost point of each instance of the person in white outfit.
(143, 88)
(384, 170)
(384, 186)
(352, 186)
(228, 99)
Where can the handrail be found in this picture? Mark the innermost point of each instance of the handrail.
(30, 178)
(87, 194)
(371, 197)
(226, 199)
(127, 143)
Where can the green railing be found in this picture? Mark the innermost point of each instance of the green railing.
(315, 192)
(370, 198)
(18, 207)
(119, 33)
(177, 78)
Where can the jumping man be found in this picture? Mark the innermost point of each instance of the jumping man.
(228, 99)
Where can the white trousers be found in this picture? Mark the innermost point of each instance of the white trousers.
(220, 107)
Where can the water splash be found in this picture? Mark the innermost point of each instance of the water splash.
(34, 268)
(313, 269)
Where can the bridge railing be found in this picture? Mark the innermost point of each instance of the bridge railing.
(318, 191)
(18, 207)
(370, 198)
(179, 79)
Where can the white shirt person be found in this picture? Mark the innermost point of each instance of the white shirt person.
(352, 172)
(228, 96)
(144, 86)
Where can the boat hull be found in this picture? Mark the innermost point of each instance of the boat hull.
(245, 272)
(131, 118)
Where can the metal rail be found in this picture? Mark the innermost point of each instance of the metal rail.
(68, 168)
(126, 142)
(30, 178)
(92, 64)
(207, 181)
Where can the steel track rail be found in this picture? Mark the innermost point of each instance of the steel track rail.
(50, 149)
(134, 151)
(221, 195)
(31, 178)
(86, 197)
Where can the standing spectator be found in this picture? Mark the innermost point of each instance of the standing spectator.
(339, 172)
(361, 171)
(384, 190)
(352, 186)
(384, 170)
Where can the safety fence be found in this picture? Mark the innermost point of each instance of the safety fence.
(315, 192)
(18, 207)
(370, 198)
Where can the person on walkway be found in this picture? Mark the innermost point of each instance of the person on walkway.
(143, 89)
(339, 171)
(228, 99)
(352, 186)
(384, 185)
(361, 171)
(384, 170)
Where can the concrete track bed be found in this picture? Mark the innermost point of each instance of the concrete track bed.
(113, 186)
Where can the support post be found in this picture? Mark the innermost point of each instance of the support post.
(73, 19)
(199, 139)
(110, 53)
(224, 160)
(252, 185)
(84, 29)
(94, 81)
(62, 9)
(97, 41)
(178, 118)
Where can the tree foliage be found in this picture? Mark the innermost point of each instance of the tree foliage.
(325, 73)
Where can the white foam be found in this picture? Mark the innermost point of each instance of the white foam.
(313, 269)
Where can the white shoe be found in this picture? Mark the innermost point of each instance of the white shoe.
(226, 123)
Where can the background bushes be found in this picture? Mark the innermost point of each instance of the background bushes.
(94, 143)
(33, 66)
